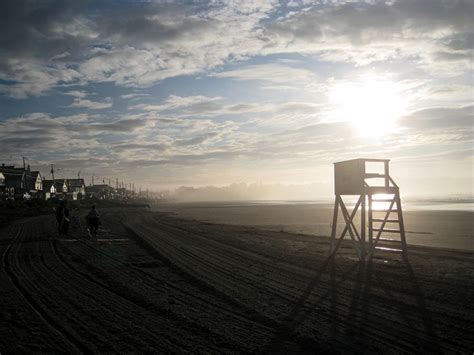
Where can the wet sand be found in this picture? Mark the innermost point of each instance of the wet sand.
(156, 283)
(434, 228)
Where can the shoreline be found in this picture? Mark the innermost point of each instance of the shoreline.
(441, 229)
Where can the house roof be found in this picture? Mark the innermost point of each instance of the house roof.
(76, 182)
(35, 174)
(13, 178)
(11, 169)
(58, 184)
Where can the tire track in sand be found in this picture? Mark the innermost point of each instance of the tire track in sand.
(48, 320)
(142, 302)
(304, 343)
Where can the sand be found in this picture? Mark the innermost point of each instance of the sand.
(452, 229)
(157, 283)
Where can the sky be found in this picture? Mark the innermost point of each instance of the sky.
(195, 93)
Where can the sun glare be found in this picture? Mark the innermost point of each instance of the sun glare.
(371, 105)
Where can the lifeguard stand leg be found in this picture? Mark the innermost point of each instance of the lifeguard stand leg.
(334, 223)
(349, 227)
(371, 228)
(362, 229)
(401, 223)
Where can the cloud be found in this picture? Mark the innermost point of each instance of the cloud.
(30, 78)
(274, 73)
(173, 102)
(294, 49)
(440, 118)
(132, 96)
(92, 105)
(364, 32)
(128, 44)
(76, 93)
(137, 45)
(126, 125)
(217, 107)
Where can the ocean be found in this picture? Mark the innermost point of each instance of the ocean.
(435, 223)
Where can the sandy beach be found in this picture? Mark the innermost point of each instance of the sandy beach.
(443, 227)
(154, 282)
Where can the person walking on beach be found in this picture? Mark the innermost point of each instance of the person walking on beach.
(93, 221)
(66, 220)
(60, 216)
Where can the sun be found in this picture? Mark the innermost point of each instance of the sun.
(372, 105)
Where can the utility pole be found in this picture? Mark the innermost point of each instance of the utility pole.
(24, 163)
(92, 180)
(52, 171)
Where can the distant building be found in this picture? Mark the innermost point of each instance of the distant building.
(2, 185)
(20, 183)
(55, 188)
(100, 192)
(15, 182)
(76, 189)
(121, 193)
(34, 183)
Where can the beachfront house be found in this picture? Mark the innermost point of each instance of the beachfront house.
(55, 188)
(14, 185)
(2, 185)
(76, 189)
(33, 183)
(20, 183)
(15, 182)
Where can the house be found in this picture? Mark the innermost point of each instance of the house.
(2, 185)
(14, 185)
(55, 188)
(76, 189)
(34, 183)
(15, 182)
(20, 183)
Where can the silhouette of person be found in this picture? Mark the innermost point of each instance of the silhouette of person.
(65, 220)
(93, 221)
(60, 216)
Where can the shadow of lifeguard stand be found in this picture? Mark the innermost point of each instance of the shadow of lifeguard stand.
(380, 228)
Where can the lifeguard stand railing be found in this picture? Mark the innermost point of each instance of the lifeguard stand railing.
(378, 208)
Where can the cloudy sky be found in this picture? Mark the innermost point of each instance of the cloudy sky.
(198, 93)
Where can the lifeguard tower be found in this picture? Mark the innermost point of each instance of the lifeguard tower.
(378, 203)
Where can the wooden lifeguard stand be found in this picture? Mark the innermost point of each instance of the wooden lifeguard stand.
(372, 188)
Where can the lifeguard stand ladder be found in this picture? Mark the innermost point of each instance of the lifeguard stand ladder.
(351, 178)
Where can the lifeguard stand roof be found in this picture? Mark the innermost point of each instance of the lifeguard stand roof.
(350, 177)
(368, 160)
